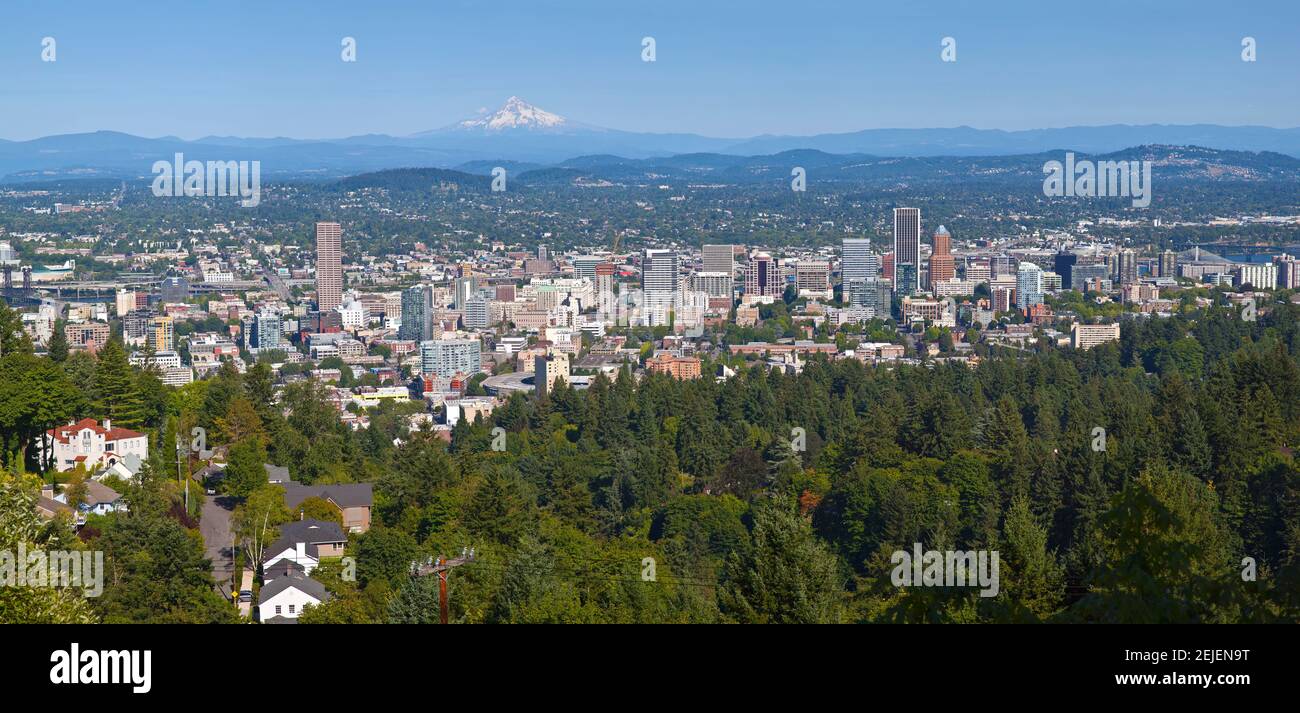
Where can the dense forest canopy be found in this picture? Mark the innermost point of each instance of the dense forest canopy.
(692, 501)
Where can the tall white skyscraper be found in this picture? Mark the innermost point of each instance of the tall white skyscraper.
(1029, 285)
(659, 283)
(329, 266)
(907, 248)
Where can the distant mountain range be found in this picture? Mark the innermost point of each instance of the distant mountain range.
(1010, 173)
(525, 136)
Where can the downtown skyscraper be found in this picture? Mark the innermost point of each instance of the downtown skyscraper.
(942, 265)
(907, 249)
(857, 261)
(763, 277)
(329, 266)
(658, 286)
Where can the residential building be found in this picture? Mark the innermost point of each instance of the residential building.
(1087, 336)
(306, 543)
(447, 357)
(1029, 285)
(677, 367)
(84, 443)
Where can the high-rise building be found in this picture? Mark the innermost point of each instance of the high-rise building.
(1087, 336)
(1169, 264)
(905, 273)
(813, 277)
(942, 266)
(585, 266)
(1002, 265)
(162, 334)
(721, 259)
(1083, 275)
(659, 285)
(1288, 271)
(907, 248)
(465, 288)
(124, 302)
(1063, 265)
(476, 313)
(267, 331)
(874, 293)
(714, 284)
(548, 369)
(417, 314)
(978, 270)
(1029, 285)
(858, 261)
(659, 271)
(604, 287)
(447, 357)
(762, 278)
(329, 266)
(1261, 276)
(1127, 269)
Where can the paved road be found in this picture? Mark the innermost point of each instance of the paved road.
(215, 527)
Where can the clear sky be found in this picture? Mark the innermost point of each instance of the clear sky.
(730, 68)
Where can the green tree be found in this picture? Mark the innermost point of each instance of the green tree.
(786, 577)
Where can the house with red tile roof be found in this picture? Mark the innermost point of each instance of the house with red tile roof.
(92, 446)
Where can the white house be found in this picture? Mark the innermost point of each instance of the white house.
(282, 599)
(305, 543)
(85, 443)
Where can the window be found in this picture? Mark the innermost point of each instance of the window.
(291, 606)
(277, 608)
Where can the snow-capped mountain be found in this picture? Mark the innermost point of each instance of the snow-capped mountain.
(516, 114)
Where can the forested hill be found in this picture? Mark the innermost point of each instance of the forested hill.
(1196, 473)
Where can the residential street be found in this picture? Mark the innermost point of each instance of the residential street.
(215, 527)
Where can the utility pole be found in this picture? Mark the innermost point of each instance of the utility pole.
(441, 567)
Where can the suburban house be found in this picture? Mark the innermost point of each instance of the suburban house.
(283, 598)
(353, 500)
(91, 446)
(127, 468)
(48, 508)
(100, 500)
(305, 543)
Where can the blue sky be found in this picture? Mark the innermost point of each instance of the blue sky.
(724, 67)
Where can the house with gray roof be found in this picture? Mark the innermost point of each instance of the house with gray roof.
(283, 599)
(305, 543)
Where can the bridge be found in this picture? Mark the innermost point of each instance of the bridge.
(20, 294)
